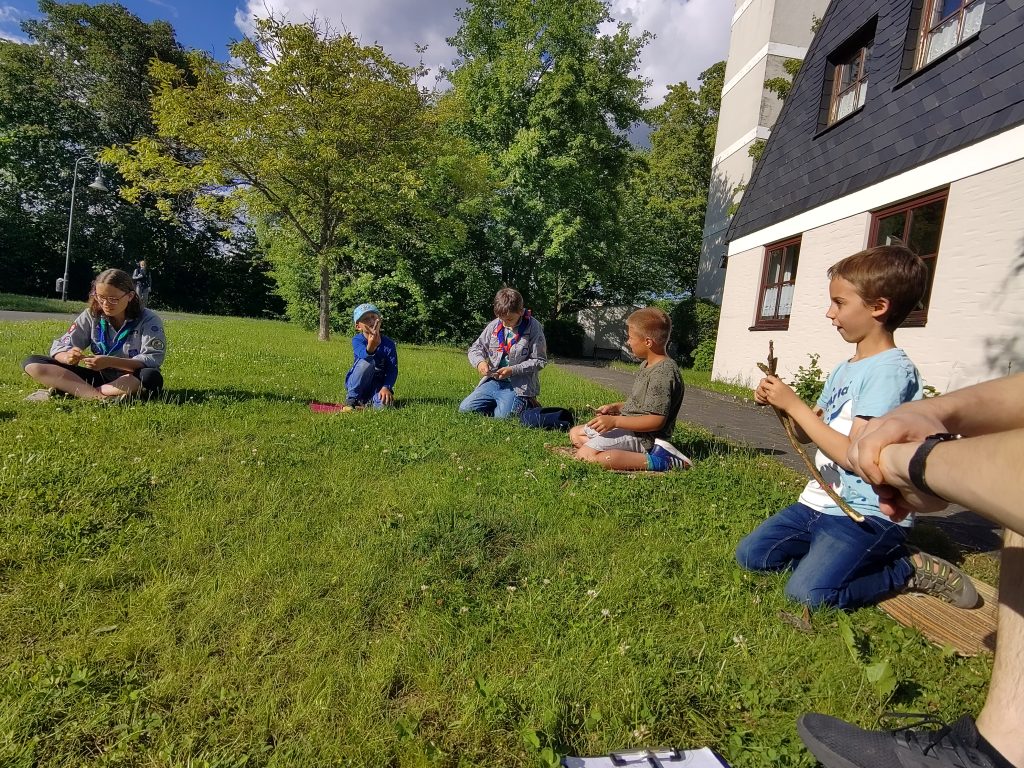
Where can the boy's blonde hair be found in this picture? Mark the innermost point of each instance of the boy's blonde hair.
(652, 323)
(892, 272)
(507, 301)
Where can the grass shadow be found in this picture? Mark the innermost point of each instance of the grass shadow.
(228, 394)
(7, 415)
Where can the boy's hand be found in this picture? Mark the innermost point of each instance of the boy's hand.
(775, 392)
(73, 355)
(387, 397)
(97, 362)
(502, 373)
(483, 368)
(603, 423)
(611, 409)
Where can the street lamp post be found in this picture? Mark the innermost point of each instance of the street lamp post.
(97, 184)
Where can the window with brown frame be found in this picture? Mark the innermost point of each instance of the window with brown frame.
(778, 282)
(918, 225)
(945, 24)
(849, 85)
(846, 76)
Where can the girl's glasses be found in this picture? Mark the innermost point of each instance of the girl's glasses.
(109, 301)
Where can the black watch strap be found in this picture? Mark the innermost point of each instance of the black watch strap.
(920, 459)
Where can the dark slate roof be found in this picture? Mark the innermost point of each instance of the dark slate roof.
(971, 94)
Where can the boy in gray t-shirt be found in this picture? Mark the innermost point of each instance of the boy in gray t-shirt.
(634, 435)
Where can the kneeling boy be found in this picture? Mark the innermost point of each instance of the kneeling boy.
(634, 435)
(371, 379)
(836, 561)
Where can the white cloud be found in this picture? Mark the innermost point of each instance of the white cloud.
(691, 35)
(9, 24)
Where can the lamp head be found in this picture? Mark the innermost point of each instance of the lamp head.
(97, 183)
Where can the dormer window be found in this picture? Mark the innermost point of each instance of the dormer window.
(945, 24)
(846, 77)
(849, 86)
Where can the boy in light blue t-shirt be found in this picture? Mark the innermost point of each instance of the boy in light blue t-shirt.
(835, 560)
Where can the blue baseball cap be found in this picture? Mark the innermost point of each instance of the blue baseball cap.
(362, 309)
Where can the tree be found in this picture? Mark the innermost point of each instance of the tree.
(549, 99)
(81, 84)
(304, 130)
(668, 196)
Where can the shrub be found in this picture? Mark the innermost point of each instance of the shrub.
(809, 381)
(695, 328)
(564, 336)
(704, 355)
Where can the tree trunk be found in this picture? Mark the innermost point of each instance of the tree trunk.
(325, 300)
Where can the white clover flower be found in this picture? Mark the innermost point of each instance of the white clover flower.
(605, 613)
(591, 593)
(424, 587)
(464, 609)
(547, 581)
(511, 588)
(739, 639)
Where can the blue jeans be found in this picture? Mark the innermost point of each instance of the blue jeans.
(493, 398)
(362, 384)
(835, 561)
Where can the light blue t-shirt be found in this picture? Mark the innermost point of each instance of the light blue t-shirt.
(869, 387)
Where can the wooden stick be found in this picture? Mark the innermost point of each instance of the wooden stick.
(787, 424)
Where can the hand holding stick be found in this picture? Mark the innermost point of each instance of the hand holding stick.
(787, 424)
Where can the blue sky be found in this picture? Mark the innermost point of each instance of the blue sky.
(690, 35)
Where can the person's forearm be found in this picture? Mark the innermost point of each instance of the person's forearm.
(992, 406)
(982, 474)
(648, 422)
(125, 364)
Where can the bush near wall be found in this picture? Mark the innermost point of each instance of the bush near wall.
(694, 330)
(564, 337)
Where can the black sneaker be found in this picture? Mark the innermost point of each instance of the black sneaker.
(838, 744)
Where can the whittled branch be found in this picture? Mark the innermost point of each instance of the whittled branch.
(787, 424)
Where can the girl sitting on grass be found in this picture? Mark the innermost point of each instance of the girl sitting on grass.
(127, 346)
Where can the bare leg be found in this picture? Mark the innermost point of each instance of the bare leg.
(613, 459)
(1001, 720)
(125, 385)
(577, 436)
(64, 380)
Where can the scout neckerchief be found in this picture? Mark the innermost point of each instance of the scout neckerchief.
(507, 340)
(505, 344)
(99, 342)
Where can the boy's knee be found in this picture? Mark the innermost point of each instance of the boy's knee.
(810, 594)
(152, 380)
(586, 453)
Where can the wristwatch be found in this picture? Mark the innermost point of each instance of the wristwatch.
(920, 458)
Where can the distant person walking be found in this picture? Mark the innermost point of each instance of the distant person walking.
(143, 282)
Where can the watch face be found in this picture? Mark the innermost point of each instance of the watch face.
(943, 436)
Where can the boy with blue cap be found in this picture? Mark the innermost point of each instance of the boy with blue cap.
(371, 379)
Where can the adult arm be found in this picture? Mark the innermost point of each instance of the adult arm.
(992, 406)
(981, 473)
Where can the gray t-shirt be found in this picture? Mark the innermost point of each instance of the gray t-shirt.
(657, 389)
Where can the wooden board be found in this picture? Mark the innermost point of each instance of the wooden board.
(970, 631)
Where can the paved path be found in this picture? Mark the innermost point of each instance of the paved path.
(741, 421)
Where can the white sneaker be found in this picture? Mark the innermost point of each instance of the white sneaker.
(39, 396)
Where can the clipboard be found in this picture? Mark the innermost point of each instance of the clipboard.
(651, 758)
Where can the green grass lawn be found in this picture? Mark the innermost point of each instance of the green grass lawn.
(225, 579)
(36, 304)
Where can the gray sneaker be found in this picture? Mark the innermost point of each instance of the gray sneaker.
(938, 577)
(40, 395)
(838, 744)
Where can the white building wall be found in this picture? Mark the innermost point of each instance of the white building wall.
(975, 328)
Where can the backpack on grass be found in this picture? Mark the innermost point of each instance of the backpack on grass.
(548, 418)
